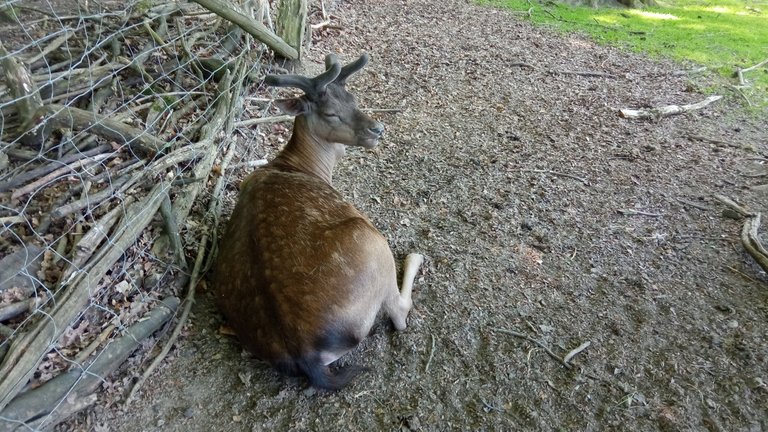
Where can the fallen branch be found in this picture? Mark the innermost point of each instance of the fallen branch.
(208, 133)
(751, 241)
(576, 351)
(256, 29)
(264, 120)
(26, 176)
(26, 97)
(532, 340)
(585, 73)
(15, 309)
(740, 72)
(68, 169)
(431, 355)
(665, 111)
(42, 406)
(26, 352)
(733, 206)
(58, 116)
(632, 212)
(693, 204)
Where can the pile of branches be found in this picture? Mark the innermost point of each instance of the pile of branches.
(106, 120)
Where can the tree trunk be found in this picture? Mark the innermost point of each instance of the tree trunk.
(291, 20)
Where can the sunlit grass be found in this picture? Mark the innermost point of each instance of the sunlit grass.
(722, 35)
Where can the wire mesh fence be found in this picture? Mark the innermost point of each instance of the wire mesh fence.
(116, 126)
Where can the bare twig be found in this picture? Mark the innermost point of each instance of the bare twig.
(69, 169)
(632, 212)
(532, 340)
(431, 355)
(740, 72)
(694, 205)
(665, 111)
(264, 120)
(585, 73)
(382, 110)
(576, 351)
(223, 107)
(734, 206)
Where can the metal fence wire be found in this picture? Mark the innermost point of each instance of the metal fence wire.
(118, 123)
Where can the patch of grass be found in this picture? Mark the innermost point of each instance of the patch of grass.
(720, 34)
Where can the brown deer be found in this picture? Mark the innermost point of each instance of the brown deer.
(301, 274)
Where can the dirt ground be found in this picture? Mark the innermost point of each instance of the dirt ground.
(515, 183)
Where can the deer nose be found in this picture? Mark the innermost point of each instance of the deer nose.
(376, 129)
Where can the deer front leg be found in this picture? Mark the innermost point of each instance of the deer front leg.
(398, 312)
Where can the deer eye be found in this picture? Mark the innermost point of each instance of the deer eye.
(330, 115)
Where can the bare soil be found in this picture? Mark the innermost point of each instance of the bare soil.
(512, 180)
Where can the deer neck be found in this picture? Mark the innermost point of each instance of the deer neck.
(308, 154)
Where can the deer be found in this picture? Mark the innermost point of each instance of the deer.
(301, 274)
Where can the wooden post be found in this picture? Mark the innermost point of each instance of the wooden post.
(290, 23)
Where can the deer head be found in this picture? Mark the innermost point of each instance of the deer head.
(327, 110)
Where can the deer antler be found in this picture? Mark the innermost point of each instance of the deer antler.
(312, 87)
(349, 69)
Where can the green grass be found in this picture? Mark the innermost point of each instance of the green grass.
(720, 34)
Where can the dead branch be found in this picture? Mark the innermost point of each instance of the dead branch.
(734, 206)
(693, 204)
(187, 195)
(751, 241)
(740, 72)
(40, 407)
(58, 116)
(26, 97)
(213, 209)
(256, 29)
(382, 110)
(15, 309)
(431, 355)
(709, 140)
(264, 120)
(26, 176)
(665, 111)
(172, 232)
(26, 352)
(585, 73)
(19, 269)
(71, 168)
(532, 340)
(574, 352)
(84, 249)
(632, 212)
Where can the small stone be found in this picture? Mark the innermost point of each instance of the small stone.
(189, 412)
(236, 418)
(733, 324)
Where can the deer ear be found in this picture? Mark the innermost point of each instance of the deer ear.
(294, 106)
